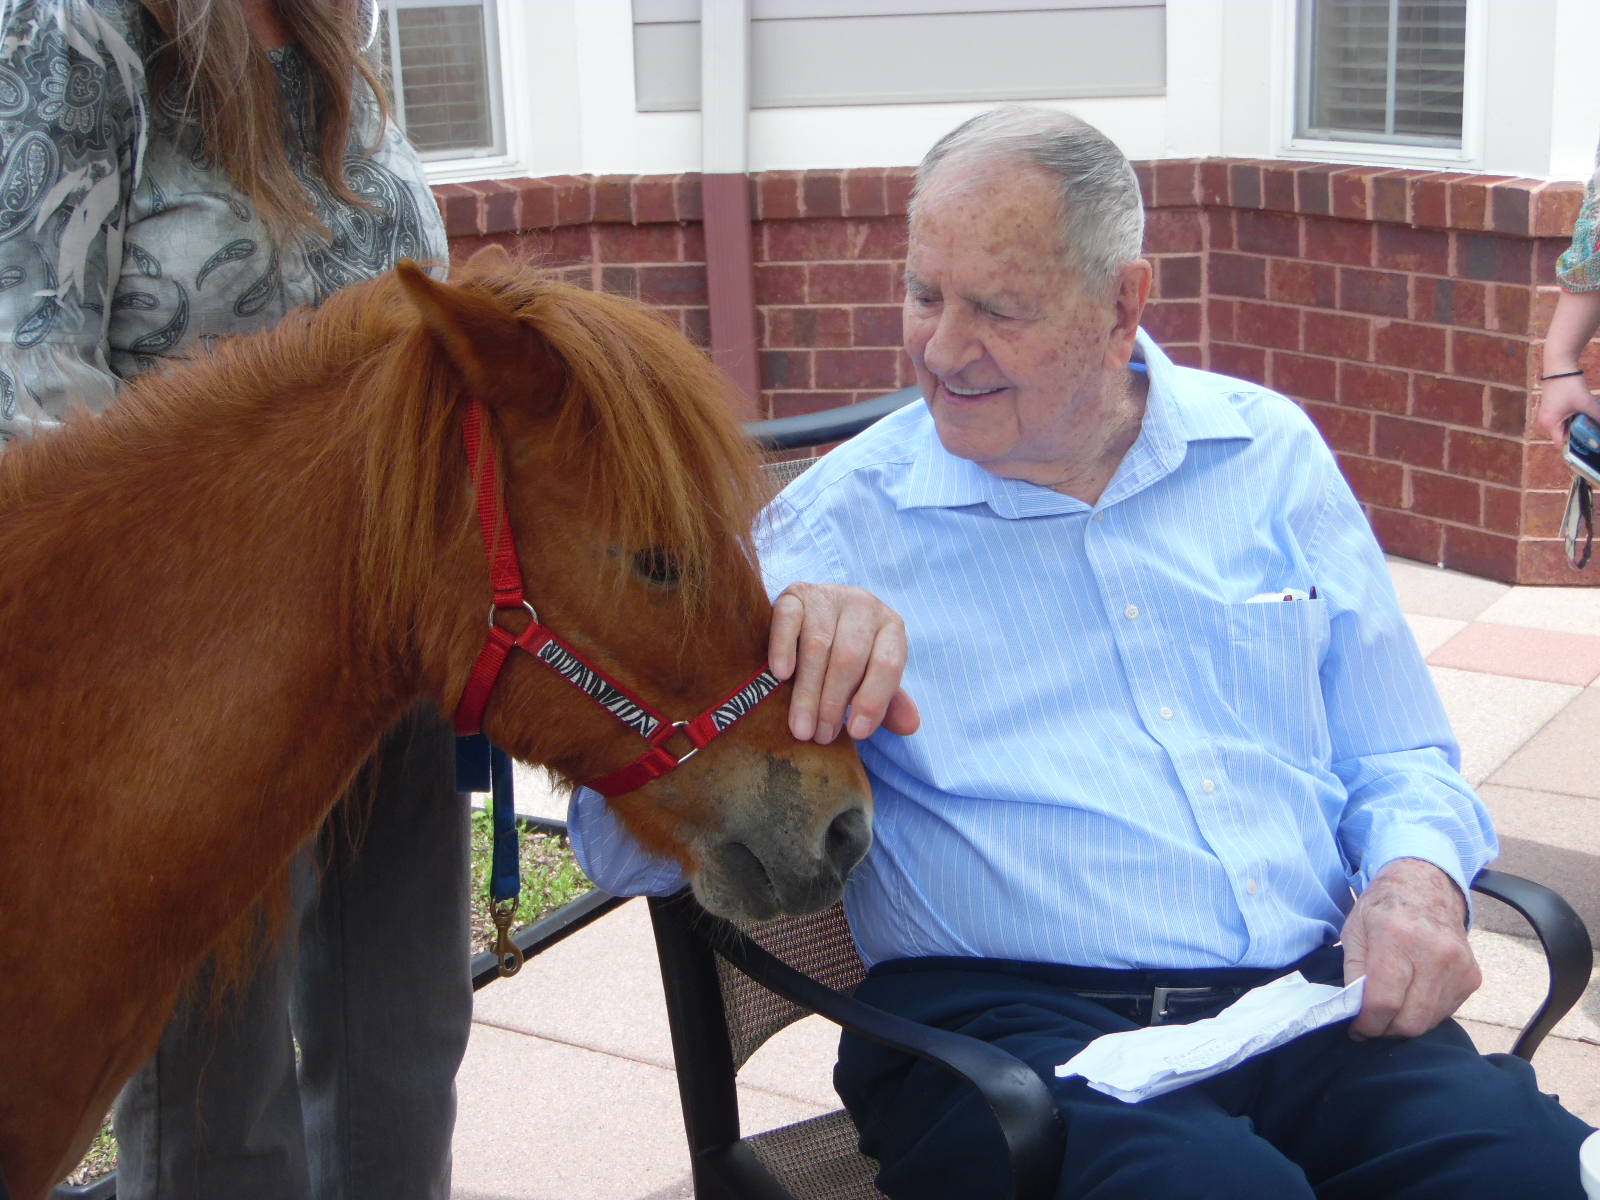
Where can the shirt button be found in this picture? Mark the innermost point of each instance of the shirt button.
(1099, 516)
(1208, 785)
(1166, 714)
(1131, 611)
(1250, 886)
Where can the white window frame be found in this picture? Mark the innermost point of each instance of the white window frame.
(1286, 92)
(511, 94)
(494, 63)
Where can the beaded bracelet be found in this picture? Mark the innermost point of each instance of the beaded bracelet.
(1559, 375)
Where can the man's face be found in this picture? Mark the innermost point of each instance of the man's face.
(1009, 351)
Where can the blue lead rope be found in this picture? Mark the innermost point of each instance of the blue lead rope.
(472, 763)
(481, 767)
(505, 880)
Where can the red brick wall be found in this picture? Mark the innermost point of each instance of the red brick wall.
(638, 236)
(1402, 308)
(829, 247)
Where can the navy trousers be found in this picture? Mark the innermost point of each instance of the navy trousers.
(1322, 1116)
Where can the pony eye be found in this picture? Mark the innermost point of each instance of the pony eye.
(656, 566)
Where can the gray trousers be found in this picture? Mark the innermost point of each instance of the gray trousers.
(375, 987)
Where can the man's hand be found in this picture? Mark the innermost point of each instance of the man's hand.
(1407, 934)
(845, 648)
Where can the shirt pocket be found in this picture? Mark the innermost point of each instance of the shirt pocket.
(1274, 661)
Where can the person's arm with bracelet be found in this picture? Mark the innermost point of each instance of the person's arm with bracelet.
(1564, 390)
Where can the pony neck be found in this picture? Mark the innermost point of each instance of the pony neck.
(178, 601)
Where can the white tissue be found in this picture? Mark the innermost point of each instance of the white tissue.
(1140, 1063)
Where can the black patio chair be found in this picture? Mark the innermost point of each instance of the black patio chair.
(729, 988)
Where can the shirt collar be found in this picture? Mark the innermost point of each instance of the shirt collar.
(938, 479)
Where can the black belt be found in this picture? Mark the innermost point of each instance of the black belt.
(1166, 1005)
(1145, 997)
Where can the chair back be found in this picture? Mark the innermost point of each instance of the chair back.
(819, 945)
(719, 1017)
(780, 473)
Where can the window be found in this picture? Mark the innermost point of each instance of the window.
(441, 60)
(1388, 71)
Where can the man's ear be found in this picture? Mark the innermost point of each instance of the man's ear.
(1132, 290)
(492, 349)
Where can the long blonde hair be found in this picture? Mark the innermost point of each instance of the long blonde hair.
(224, 82)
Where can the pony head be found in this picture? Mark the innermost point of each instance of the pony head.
(630, 491)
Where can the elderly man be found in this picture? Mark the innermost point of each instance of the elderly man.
(1176, 734)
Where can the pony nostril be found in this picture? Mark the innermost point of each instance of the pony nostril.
(749, 877)
(847, 840)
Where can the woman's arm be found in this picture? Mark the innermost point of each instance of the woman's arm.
(1572, 327)
(71, 136)
(1573, 323)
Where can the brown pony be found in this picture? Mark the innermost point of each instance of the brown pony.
(216, 597)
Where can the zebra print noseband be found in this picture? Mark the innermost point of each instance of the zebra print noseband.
(505, 573)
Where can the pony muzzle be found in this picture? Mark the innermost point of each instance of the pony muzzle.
(740, 880)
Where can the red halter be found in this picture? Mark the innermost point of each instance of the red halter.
(505, 576)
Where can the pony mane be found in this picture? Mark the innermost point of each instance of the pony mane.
(644, 419)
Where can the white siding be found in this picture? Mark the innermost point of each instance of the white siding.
(572, 107)
(830, 56)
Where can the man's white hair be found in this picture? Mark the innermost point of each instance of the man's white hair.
(1102, 214)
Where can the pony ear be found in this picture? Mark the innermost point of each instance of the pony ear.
(488, 345)
(490, 257)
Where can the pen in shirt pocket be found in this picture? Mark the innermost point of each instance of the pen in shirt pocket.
(1284, 594)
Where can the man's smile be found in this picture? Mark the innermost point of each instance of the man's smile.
(966, 393)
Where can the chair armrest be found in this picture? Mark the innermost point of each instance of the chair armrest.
(1020, 1100)
(1567, 948)
(830, 425)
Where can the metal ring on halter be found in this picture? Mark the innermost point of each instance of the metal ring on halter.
(683, 728)
(497, 608)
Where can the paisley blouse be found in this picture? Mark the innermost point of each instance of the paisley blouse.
(121, 240)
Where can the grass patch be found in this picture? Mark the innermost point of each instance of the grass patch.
(550, 878)
(101, 1158)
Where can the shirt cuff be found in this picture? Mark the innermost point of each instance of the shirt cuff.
(1417, 841)
(610, 857)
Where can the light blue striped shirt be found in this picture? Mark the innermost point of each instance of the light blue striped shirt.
(1124, 761)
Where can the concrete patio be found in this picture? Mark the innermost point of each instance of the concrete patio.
(568, 1091)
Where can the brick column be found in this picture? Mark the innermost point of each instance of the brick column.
(1404, 309)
